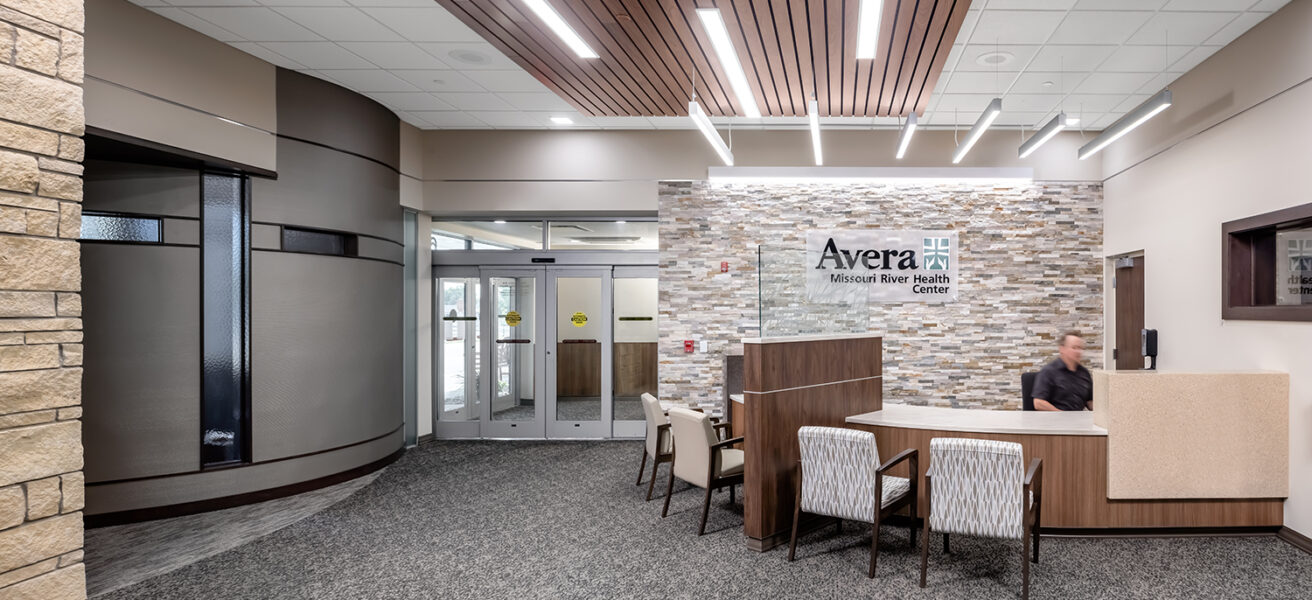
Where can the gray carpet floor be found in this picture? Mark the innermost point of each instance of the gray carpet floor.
(564, 520)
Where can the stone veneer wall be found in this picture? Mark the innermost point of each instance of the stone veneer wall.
(41, 151)
(1030, 266)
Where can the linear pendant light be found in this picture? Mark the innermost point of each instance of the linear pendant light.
(867, 31)
(1126, 124)
(733, 68)
(1042, 136)
(981, 125)
(704, 124)
(908, 130)
(813, 114)
(562, 29)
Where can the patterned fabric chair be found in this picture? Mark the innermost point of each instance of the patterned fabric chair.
(659, 446)
(839, 475)
(980, 487)
(701, 459)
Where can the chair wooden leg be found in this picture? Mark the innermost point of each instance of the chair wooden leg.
(655, 468)
(642, 466)
(706, 509)
(924, 548)
(1035, 527)
(946, 549)
(874, 545)
(733, 498)
(792, 542)
(669, 491)
(838, 526)
(1025, 566)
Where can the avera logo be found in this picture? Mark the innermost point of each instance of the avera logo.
(936, 253)
(1300, 255)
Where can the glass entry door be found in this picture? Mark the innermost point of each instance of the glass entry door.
(513, 383)
(458, 338)
(634, 348)
(578, 362)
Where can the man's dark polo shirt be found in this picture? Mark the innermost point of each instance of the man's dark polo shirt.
(1062, 387)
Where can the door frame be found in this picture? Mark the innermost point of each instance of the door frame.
(468, 428)
(1110, 341)
(534, 429)
(558, 429)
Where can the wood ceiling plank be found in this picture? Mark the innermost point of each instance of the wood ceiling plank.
(707, 82)
(924, 60)
(958, 16)
(834, 57)
(915, 46)
(897, 48)
(819, 50)
(768, 28)
(633, 63)
(751, 54)
(783, 29)
(648, 38)
(849, 8)
(610, 62)
(801, 32)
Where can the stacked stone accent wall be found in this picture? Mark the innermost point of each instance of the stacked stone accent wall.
(41, 152)
(1030, 267)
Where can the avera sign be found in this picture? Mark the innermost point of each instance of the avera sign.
(881, 266)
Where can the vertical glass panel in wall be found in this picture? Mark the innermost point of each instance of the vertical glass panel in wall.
(1293, 263)
(783, 306)
(493, 235)
(578, 349)
(603, 235)
(224, 409)
(458, 308)
(513, 375)
(635, 346)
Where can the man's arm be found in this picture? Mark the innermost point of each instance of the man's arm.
(1041, 404)
(1042, 391)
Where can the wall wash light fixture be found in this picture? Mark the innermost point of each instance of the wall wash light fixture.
(813, 115)
(1044, 134)
(562, 29)
(714, 25)
(981, 125)
(904, 140)
(1126, 124)
(867, 31)
(704, 124)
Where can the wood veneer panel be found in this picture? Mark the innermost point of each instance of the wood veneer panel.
(781, 366)
(578, 369)
(940, 55)
(635, 368)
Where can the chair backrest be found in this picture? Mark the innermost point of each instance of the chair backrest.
(693, 436)
(838, 472)
(651, 408)
(1027, 390)
(976, 487)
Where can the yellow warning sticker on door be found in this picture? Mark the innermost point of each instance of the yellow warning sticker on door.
(512, 318)
(579, 319)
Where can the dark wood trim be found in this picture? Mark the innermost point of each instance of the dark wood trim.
(151, 154)
(1295, 539)
(190, 508)
(1240, 267)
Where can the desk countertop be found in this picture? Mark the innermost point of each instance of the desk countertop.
(981, 421)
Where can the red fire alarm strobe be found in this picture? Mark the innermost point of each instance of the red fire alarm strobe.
(724, 267)
(687, 345)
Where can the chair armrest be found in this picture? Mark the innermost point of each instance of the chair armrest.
(909, 453)
(726, 443)
(1034, 479)
(720, 428)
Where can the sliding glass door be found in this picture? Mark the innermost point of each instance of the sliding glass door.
(514, 331)
(579, 361)
(634, 337)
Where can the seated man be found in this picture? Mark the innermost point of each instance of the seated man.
(1064, 384)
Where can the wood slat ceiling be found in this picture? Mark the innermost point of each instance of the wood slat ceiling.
(652, 51)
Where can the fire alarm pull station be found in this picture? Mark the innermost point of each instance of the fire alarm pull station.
(724, 267)
(687, 345)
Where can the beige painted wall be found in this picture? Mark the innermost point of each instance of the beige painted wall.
(412, 167)
(1171, 207)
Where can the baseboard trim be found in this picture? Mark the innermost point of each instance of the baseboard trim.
(424, 439)
(1295, 539)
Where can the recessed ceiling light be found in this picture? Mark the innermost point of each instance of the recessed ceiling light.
(1048, 84)
(713, 22)
(562, 29)
(467, 56)
(993, 59)
(562, 120)
(867, 32)
(619, 222)
(500, 221)
(1072, 121)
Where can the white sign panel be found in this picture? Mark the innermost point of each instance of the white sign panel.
(1294, 267)
(881, 266)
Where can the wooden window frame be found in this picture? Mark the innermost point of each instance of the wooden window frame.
(1239, 268)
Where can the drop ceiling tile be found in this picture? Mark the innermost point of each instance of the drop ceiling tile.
(1015, 26)
(185, 3)
(1269, 5)
(621, 122)
(1128, 104)
(967, 105)
(410, 101)
(1138, 5)
(395, 55)
(676, 123)
(1208, 5)
(439, 81)
(475, 101)
(581, 121)
(450, 119)
(535, 101)
(953, 57)
(1089, 103)
(1157, 83)
(430, 24)
(1075, 120)
(979, 82)
(1236, 28)
(507, 81)
(267, 55)
(393, 3)
(1195, 57)
(975, 57)
(1143, 59)
(1031, 4)
(1098, 27)
(1032, 82)
(967, 26)
(1070, 59)
(1183, 28)
(149, 3)
(1027, 103)
(1028, 120)
(369, 80)
(508, 119)
(1112, 83)
(466, 56)
(340, 24)
(256, 24)
(1102, 123)
(275, 3)
(318, 55)
(187, 19)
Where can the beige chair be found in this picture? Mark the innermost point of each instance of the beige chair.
(839, 475)
(659, 446)
(701, 459)
(980, 487)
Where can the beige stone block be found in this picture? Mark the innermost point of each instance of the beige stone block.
(28, 22)
(60, 185)
(62, 584)
(7, 34)
(40, 540)
(33, 99)
(54, 337)
(71, 354)
(18, 172)
(27, 358)
(69, 305)
(59, 166)
(40, 264)
(26, 419)
(11, 339)
(28, 572)
(70, 56)
(70, 220)
(13, 220)
(36, 52)
(65, 13)
(72, 148)
(27, 139)
(38, 390)
(71, 558)
(42, 223)
(13, 506)
(74, 485)
(40, 324)
(29, 202)
(27, 304)
(40, 451)
(70, 413)
(43, 498)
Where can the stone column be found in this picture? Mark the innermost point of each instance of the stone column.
(41, 151)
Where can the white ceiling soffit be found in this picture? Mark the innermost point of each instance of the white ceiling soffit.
(1094, 59)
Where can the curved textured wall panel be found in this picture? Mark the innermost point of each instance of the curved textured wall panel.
(329, 189)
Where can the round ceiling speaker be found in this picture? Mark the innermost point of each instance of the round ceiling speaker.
(469, 57)
(993, 59)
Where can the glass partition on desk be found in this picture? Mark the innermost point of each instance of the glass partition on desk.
(783, 306)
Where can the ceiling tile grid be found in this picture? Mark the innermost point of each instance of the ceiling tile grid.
(1093, 59)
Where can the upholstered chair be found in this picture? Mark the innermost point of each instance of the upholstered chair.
(981, 488)
(701, 459)
(839, 475)
(659, 446)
